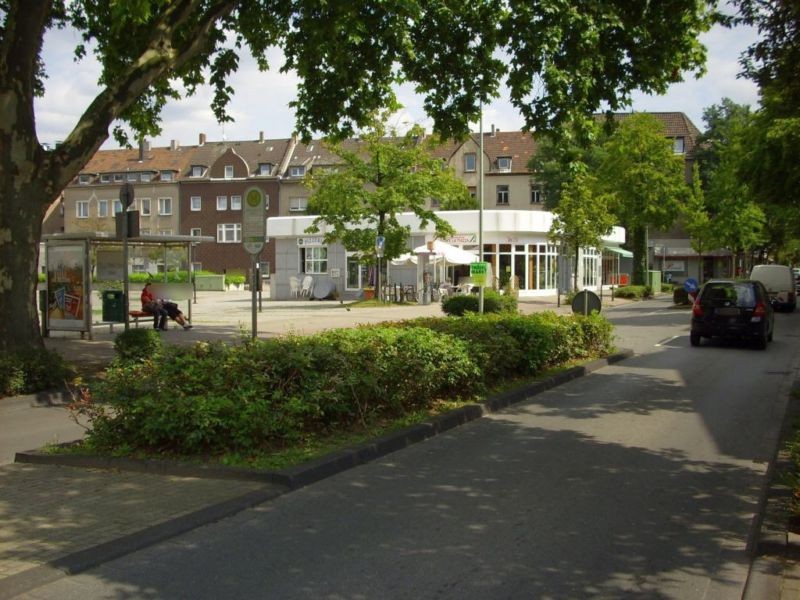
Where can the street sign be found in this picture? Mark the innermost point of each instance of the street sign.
(254, 220)
(585, 302)
(691, 285)
(478, 273)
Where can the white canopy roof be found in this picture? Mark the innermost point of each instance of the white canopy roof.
(451, 254)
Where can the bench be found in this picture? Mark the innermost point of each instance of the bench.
(135, 315)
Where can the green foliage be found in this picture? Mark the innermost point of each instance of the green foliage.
(138, 344)
(493, 302)
(32, 370)
(633, 292)
(381, 177)
(41, 277)
(267, 394)
(235, 277)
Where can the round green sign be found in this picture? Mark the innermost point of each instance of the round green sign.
(254, 198)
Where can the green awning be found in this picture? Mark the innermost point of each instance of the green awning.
(622, 252)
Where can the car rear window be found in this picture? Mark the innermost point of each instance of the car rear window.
(729, 294)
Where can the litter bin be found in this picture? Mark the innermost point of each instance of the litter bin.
(114, 306)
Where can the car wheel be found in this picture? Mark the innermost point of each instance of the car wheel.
(761, 341)
(694, 339)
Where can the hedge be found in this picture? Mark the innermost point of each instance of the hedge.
(266, 394)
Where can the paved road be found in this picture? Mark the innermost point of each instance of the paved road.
(641, 480)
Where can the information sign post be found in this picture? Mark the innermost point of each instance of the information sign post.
(254, 232)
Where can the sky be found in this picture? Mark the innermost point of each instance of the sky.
(261, 101)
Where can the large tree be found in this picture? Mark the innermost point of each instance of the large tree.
(381, 177)
(646, 180)
(563, 60)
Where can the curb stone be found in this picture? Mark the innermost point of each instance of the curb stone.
(276, 483)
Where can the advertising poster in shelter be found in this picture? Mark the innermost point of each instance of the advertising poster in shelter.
(66, 303)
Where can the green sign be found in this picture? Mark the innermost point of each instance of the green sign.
(254, 220)
(478, 272)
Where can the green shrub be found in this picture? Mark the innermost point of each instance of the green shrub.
(266, 394)
(32, 371)
(634, 292)
(138, 344)
(493, 302)
(667, 287)
(235, 277)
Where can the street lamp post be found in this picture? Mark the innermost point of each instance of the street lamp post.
(380, 244)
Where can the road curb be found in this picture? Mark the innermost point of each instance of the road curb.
(276, 482)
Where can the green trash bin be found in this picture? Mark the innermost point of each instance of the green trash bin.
(114, 306)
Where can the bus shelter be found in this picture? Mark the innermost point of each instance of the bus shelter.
(77, 262)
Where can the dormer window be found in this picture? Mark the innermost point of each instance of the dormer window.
(197, 171)
(503, 163)
(133, 176)
(228, 171)
(166, 175)
(84, 179)
(105, 178)
(679, 145)
(118, 177)
(297, 171)
(147, 176)
(264, 169)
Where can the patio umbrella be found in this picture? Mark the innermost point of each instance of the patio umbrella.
(448, 253)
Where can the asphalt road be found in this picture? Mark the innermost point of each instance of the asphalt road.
(641, 480)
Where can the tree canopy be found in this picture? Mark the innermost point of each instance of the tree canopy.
(380, 178)
(559, 61)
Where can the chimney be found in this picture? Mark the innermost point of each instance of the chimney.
(202, 139)
(260, 137)
(144, 148)
(174, 145)
(493, 130)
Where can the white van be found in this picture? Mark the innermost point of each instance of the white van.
(779, 281)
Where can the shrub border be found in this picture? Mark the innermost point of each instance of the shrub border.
(320, 468)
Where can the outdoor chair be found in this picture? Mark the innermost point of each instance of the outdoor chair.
(294, 287)
(308, 284)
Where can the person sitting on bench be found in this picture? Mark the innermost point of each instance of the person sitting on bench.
(175, 313)
(151, 305)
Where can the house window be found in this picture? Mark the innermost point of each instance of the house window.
(133, 176)
(266, 201)
(105, 178)
(298, 204)
(469, 163)
(82, 209)
(435, 204)
(678, 145)
(473, 191)
(197, 171)
(117, 207)
(229, 233)
(228, 171)
(165, 206)
(118, 177)
(537, 194)
(264, 169)
(222, 203)
(195, 203)
(147, 176)
(315, 260)
(297, 171)
(236, 203)
(102, 208)
(196, 231)
(502, 195)
(144, 204)
(503, 163)
(84, 179)
(166, 175)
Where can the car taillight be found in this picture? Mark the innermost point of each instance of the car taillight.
(760, 310)
(697, 310)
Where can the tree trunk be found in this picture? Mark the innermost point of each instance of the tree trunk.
(21, 213)
(639, 247)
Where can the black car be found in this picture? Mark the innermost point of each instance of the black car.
(733, 309)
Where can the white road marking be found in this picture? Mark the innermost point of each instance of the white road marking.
(667, 341)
